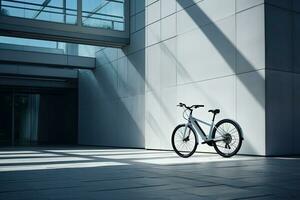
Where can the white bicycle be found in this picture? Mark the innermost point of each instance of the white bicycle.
(225, 136)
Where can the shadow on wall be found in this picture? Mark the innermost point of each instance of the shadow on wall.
(221, 43)
(218, 40)
(110, 104)
(220, 46)
(106, 119)
(112, 98)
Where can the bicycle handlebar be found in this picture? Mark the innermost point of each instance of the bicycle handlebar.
(190, 107)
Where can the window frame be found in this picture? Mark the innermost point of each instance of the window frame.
(74, 33)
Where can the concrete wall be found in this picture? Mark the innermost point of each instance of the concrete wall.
(112, 101)
(208, 52)
(205, 52)
(282, 76)
(112, 97)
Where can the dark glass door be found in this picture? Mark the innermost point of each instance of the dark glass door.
(26, 112)
(6, 119)
(38, 117)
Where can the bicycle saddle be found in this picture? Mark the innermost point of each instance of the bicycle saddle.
(216, 111)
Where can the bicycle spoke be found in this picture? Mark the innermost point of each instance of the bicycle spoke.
(226, 127)
(219, 132)
(232, 144)
(179, 140)
(222, 129)
(182, 134)
(221, 146)
(178, 143)
(184, 141)
(187, 147)
(233, 129)
(181, 145)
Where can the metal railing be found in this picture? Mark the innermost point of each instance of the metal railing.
(63, 11)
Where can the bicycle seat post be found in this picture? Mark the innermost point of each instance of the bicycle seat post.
(215, 112)
(214, 117)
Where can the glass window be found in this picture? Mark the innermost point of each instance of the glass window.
(28, 42)
(46, 46)
(61, 11)
(107, 14)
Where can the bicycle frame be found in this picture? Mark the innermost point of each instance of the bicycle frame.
(193, 123)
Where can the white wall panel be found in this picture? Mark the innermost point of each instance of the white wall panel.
(168, 7)
(207, 53)
(168, 27)
(168, 69)
(153, 68)
(246, 4)
(251, 111)
(202, 13)
(153, 12)
(153, 33)
(250, 39)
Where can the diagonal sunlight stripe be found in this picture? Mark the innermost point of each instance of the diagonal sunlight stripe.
(60, 166)
(284, 158)
(40, 160)
(137, 156)
(155, 154)
(193, 160)
(17, 152)
(29, 155)
(93, 150)
(116, 152)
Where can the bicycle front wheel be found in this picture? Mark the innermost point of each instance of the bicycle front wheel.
(228, 138)
(184, 141)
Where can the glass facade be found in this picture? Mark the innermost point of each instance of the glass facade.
(61, 11)
(105, 14)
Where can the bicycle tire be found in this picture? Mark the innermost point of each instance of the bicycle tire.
(190, 151)
(227, 140)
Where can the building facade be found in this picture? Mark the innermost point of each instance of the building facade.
(240, 56)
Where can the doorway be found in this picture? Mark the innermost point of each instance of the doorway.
(34, 117)
(5, 119)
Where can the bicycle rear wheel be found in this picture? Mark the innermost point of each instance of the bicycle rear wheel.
(229, 134)
(184, 141)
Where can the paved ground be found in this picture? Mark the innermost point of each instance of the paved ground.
(97, 173)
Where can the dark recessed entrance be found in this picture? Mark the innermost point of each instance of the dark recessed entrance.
(34, 116)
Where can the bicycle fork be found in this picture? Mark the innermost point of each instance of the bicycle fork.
(186, 137)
